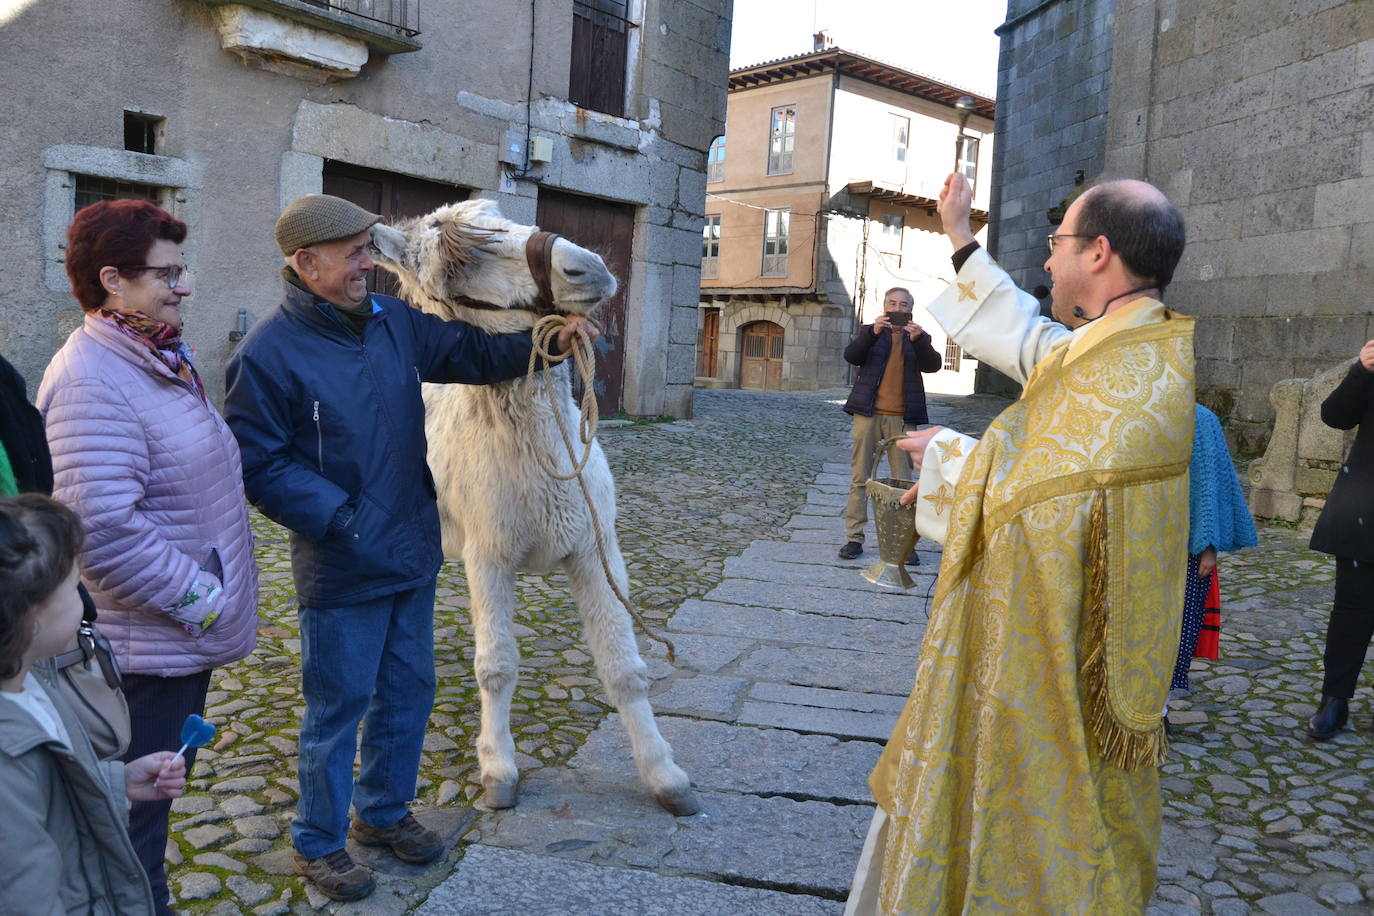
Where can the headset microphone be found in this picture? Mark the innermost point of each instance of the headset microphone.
(1078, 310)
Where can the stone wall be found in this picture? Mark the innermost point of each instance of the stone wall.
(1257, 118)
(239, 139)
(814, 337)
(1052, 79)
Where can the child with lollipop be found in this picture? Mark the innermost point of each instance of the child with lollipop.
(65, 847)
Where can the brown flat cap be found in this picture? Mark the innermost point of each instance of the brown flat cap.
(317, 218)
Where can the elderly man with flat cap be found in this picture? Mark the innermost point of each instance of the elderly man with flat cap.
(324, 398)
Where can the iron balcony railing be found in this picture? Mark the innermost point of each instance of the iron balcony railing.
(399, 14)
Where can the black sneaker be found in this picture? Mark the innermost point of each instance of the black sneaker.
(851, 550)
(336, 875)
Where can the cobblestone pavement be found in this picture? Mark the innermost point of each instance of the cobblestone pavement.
(791, 671)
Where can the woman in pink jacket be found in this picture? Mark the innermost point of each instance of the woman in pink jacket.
(153, 472)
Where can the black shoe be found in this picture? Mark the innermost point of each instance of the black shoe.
(1168, 728)
(851, 550)
(914, 559)
(1330, 718)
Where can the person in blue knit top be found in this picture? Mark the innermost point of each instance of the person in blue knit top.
(1218, 521)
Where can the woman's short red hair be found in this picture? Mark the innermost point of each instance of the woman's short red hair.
(114, 233)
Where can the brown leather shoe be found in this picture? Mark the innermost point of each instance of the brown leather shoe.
(410, 841)
(336, 875)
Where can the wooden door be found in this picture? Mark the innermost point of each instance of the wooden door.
(394, 197)
(608, 229)
(761, 362)
(708, 343)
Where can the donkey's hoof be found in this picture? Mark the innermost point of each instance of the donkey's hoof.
(500, 795)
(678, 804)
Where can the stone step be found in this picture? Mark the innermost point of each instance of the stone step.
(728, 757)
(494, 880)
(840, 574)
(772, 842)
(903, 607)
(828, 554)
(838, 669)
(839, 722)
(771, 625)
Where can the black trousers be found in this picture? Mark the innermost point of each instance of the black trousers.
(1350, 628)
(158, 706)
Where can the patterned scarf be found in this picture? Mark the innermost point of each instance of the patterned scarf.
(162, 340)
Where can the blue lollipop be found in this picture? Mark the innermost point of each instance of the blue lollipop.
(195, 732)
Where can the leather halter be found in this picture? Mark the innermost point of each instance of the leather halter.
(539, 259)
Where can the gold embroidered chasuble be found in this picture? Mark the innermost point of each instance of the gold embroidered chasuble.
(1022, 775)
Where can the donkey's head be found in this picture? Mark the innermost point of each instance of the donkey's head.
(467, 261)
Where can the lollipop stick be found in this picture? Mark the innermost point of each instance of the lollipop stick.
(163, 771)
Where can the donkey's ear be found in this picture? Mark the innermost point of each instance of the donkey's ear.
(389, 243)
(458, 247)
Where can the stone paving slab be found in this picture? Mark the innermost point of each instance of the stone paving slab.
(798, 627)
(846, 577)
(904, 607)
(826, 554)
(847, 723)
(810, 520)
(505, 882)
(703, 695)
(777, 843)
(828, 699)
(839, 669)
(741, 758)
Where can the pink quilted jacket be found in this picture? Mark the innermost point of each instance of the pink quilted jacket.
(154, 474)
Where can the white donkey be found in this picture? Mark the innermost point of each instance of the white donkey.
(488, 444)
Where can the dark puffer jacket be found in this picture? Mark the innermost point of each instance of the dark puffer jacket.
(1346, 526)
(325, 420)
(869, 352)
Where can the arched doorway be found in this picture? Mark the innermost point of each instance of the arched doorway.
(761, 356)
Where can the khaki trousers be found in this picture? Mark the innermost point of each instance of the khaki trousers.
(867, 433)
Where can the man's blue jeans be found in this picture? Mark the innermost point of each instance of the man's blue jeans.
(373, 664)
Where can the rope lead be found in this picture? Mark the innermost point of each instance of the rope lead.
(543, 334)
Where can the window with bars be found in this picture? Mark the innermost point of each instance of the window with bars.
(710, 247)
(141, 132)
(600, 54)
(968, 158)
(782, 139)
(91, 188)
(715, 160)
(775, 229)
(901, 134)
(953, 355)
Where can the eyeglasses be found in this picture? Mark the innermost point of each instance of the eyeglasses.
(171, 275)
(1050, 239)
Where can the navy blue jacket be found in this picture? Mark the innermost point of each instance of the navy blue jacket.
(1346, 526)
(326, 420)
(869, 352)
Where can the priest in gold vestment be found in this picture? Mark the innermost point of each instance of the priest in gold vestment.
(1021, 776)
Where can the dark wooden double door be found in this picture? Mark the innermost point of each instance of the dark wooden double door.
(604, 227)
(608, 229)
(394, 197)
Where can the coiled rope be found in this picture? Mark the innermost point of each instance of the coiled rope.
(544, 333)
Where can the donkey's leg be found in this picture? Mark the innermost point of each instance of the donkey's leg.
(623, 674)
(497, 666)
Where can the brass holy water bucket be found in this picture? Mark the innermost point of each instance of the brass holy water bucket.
(896, 526)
